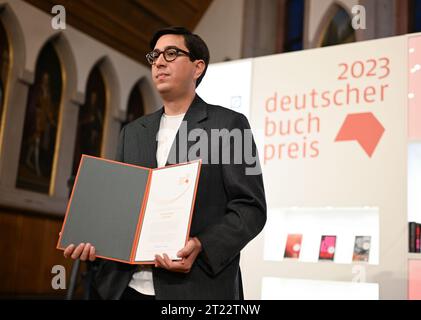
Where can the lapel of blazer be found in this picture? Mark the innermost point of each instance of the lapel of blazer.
(193, 118)
(147, 137)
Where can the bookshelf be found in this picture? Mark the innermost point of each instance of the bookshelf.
(345, 223)
(414, 256)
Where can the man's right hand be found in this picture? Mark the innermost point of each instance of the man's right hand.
(82, 251)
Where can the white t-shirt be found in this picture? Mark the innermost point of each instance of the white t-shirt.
(142, 281)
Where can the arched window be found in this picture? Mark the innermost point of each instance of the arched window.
(136, 105)
(339, 29)
(294, 25)
(91, 118)
(42, 114)
(4, 67)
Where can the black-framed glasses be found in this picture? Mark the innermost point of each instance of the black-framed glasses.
(170, 54)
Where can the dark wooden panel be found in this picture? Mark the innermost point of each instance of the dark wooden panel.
(127, 25)
(176, 16)
(30, 255)
(51, 256)
(10, 239)
(28, 250)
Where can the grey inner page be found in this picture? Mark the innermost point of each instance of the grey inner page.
(105, 207)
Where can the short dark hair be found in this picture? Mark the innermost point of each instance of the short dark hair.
(195, 44)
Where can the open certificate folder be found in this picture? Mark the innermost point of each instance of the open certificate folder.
(130, 213)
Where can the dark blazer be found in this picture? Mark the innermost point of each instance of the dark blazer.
(230, 208)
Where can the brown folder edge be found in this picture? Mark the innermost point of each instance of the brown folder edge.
(194, 200)
(138, 231)
(71, 198)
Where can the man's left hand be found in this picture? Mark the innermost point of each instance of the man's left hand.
(188, 255)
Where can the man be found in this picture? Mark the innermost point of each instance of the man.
(230, 206)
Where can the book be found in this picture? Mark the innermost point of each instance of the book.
(130, 213)
(361, 248)
(293, 246)
(327, 248)
(412, 228)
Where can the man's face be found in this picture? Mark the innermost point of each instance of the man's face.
(176, 77)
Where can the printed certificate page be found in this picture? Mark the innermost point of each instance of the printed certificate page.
(167, 214)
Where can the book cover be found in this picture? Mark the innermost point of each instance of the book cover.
(361, 248)
(412, 226)
(293, 246)
(327, 248)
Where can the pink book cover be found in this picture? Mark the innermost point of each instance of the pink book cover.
(327, 248)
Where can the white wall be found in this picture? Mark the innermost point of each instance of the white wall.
(221, 28)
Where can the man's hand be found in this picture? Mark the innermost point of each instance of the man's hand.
(82, 252)
(188, 254)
